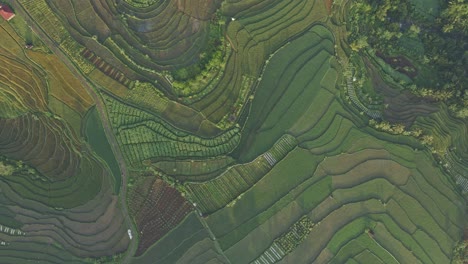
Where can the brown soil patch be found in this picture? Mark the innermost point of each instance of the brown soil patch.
(328, 4)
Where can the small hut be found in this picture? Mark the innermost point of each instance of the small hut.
(6, 12)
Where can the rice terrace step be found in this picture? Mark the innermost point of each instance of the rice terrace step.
(233, 131)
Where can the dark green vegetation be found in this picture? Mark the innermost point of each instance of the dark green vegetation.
(423, 40)
(211, 55)
(97, 140)
(300, 66)
(235, 131)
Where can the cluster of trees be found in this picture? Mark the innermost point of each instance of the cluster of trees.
(437, 45)
(211, 56)
(396, 129)
(6, 169)
(12, 167)
(400, 129)
(461, 252)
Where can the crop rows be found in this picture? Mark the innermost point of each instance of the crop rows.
(67, 177)
(71, 213)
(260, 29)
(246, 86)
(194, 170)
(292, 80)
(62, 85)
(147, 137)
(352, 95)
(295, 235)
(163, 209)
(22, 88)
(406, 208)
(91, 230)
(58, 199)
(402, 107)
(365, 190)
(147, 96)
(164, 35)
(360, 189)
(128, 60)
(141, 3)
(287, 242)
(463, 182)
(105, 67)
(217, 193)
(272, 255)
(49, 22)
(73, 49)
(279, 150)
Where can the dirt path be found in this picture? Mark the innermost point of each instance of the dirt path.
(102, 113)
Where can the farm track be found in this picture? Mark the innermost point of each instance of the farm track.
(105, 121)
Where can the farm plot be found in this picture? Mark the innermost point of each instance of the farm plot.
(194, 170)
(275, 24)
(393, 218)
(186, 243)
(58, 200)
(162, 210)
(62, 84)
(152, 36)
(149, 98)
(96, 137)
(369, 181)
(66, 175)
(50, 23)
(22, 87)
(217, 193)
(106, 68)
(144, 136)
(367, 196)
(48, 20)
(93, 229)
(403, 107)
(286, 242)
(273, 109)
(267, 197)
(40, 252)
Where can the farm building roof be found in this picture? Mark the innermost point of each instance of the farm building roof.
(6, 12)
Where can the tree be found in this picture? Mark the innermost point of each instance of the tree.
(359, 44)
(455, 16)
(427, 139)
(5, 169)
(462, 113)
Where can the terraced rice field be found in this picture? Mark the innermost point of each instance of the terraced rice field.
(161, 210)
(268, 160)
(145, 136)
(57, 204)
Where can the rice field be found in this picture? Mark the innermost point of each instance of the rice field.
(265, 155)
